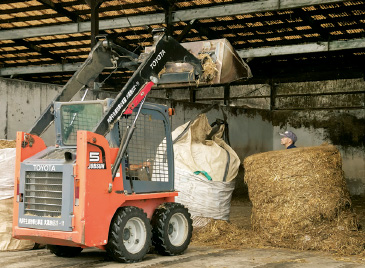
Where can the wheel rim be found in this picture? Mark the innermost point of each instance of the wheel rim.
(178, 229)
(134, 235)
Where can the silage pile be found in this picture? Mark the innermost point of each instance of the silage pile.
(300, 200)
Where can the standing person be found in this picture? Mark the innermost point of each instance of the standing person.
(288, 139)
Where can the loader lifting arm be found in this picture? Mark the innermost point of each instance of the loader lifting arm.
(166, 50)
(106, 54)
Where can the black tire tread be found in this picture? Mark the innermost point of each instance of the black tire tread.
(115, 247)
(160, 220)
(64, 251)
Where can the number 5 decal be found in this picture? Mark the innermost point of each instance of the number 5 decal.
(94, 157)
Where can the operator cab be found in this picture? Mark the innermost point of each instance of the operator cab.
(80, 115)
(148, 152)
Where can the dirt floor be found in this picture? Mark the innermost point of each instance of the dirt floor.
(242, 252)
(205, 255)
(241, 213)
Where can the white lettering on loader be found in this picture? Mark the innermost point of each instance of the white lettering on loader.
(44, 167)
(157, 59)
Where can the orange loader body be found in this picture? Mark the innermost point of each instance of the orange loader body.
(96, 207)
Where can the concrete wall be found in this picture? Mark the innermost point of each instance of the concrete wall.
(353, 159)
(333, 117)
(20, 105)
(332, 112)
(318, 112)
(247, 134)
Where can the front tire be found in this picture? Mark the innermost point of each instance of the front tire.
(129, 235)
(171, 229)
(64, 251)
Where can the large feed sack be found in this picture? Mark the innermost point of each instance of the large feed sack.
(205, 168)
(299, 197)
(7, 171)
(194, 152)
(203, 198)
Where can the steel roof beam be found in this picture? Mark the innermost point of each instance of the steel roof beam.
(244, 53)
(159, 18)
(163, 3)
(246, 8)
(206, 31)
(44, 52)
(56, 68)
(60, 10)
(168, 6)
(315, 25)
(186, 29)
(302, 48)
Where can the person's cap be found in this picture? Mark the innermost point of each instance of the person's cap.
(289, 134)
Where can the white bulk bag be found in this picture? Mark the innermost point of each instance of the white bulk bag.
(203, 198)
(7, 172)
(212, 157)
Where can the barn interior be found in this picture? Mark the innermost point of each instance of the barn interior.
(306, 59)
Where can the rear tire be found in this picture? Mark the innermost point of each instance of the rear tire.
(64, 251)
(129, 235)
(171, 229)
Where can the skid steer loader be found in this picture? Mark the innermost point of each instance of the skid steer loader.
(99, 185)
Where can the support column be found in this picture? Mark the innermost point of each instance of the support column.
(94, 5)
(227, 94)
(272, 95)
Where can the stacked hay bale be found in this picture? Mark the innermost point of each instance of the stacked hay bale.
(300, 199)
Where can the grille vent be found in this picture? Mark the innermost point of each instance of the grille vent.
(43, 194)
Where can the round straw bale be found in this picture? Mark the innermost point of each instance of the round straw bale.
(298, 196)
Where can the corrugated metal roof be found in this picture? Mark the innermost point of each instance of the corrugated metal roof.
(325, 22)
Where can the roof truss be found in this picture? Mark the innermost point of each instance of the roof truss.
(257, 29)
(247, 54)
(159, 18)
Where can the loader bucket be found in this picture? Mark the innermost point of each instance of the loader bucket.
(221, 65)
